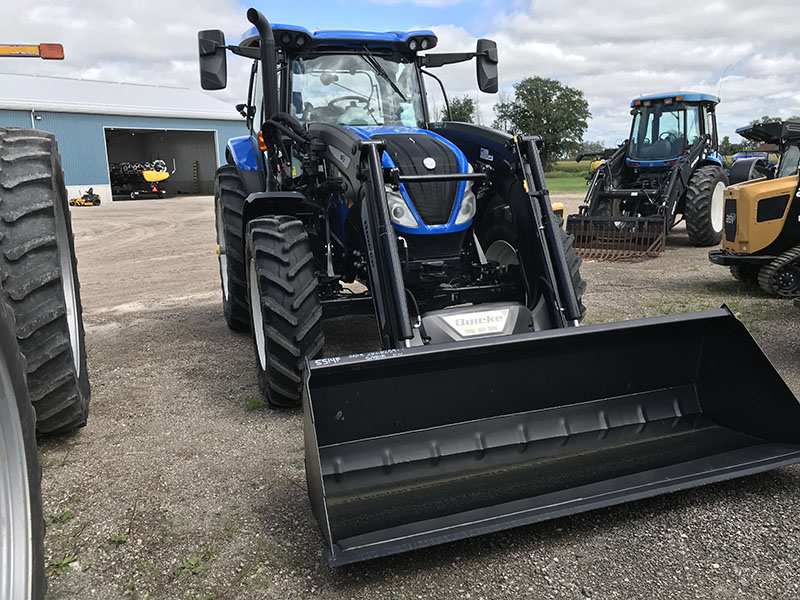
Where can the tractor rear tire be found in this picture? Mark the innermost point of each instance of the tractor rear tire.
(704, 206)
(499, 241)
(39, 275)
(745, 273)
(285, 306)
(229, 196)
(22, 532)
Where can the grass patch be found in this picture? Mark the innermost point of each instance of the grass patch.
(62, 517)
(59, 566)
(567, 177)
(254, 403)
(196, 565)
(566, 185)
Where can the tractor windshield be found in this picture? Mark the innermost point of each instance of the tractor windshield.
(356, 89)
(789, 161)
(661, 131)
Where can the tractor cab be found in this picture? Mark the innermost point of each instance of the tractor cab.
(665, 126)
(349, 78)
(783, 134)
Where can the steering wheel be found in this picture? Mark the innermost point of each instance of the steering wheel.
(361, 99)
(669, 136)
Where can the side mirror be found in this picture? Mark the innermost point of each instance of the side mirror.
(487, 66)
(213, 62)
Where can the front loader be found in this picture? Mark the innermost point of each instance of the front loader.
(669, 168)
(459, 425)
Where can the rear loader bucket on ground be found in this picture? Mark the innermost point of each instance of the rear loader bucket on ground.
(409, 448)
(617, 238)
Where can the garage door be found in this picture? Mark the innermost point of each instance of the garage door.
(190, 158)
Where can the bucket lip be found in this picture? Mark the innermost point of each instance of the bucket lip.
(734, 464)
(366, 359)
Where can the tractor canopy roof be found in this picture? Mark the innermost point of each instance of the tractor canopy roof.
(295, 38)
(776, 133)
(677, 97)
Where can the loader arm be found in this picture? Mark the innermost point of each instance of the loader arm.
(679, 176)
(602, 179)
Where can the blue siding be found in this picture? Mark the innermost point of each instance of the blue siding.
(82, 144)
(15, 118)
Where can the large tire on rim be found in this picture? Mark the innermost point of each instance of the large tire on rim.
(745, 273)
(229, 196)
(704, 206)
(21, 521)
(499, 241)
(38, 270)
(285, 305)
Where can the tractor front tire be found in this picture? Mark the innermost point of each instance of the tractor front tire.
(21, 522)
(704, 206)
(229, 196)
(285, 306)
(499, 241)
(745, 273)
(39, 276)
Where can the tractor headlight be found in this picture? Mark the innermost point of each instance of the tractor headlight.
(398, 209)
(468, 203)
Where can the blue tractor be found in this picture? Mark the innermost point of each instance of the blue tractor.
(463, 423)
(668, 170)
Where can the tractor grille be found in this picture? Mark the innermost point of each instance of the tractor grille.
(730, 219)
(434, 200)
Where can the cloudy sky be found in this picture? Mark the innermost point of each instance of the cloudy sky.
(612, 50)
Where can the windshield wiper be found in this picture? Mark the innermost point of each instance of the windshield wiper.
(373, 62)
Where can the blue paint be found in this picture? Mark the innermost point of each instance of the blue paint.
(715, 157)
(348, 36)
(340, 210)
(243, 153)
(423, 229)
(687, 97)
(651, 163)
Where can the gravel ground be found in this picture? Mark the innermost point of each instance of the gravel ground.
(182, 487)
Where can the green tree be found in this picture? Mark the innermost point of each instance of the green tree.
(545, 107)
(726, 147)
(766, 119)
(461, 109)
(596, 146)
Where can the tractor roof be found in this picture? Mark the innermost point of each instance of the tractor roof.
(295, 37)
(772, 133)
(687, 97)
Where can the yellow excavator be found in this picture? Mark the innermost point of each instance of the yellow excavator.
(761, 240)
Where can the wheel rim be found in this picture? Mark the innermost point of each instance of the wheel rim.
(68, 284)
(16, 533)
(503, 253)
(258, 319)
(223, 258)
(717, 205)
(788, 281)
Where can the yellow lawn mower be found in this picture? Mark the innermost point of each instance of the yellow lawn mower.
(88, 199)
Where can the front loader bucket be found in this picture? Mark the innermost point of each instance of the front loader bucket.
(409, 448)
(617, 238)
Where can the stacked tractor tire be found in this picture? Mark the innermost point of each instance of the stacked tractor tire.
(44, 385)
(127, 177)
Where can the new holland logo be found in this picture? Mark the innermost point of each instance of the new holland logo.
(429, 163)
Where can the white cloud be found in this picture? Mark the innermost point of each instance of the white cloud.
(611, 51)
(615, 51)
(148, 41)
